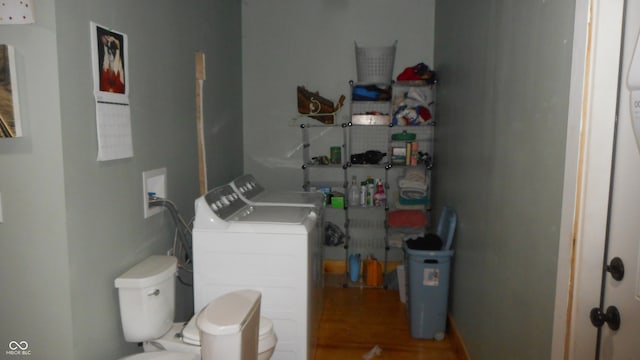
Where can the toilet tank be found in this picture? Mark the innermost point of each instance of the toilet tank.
(147, 298)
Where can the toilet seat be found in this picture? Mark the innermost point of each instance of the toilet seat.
(267, 338)
(190, 333)
(163, 355)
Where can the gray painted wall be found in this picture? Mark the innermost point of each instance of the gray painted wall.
(502, 108)
(289, 43)
(34, 258)
(72, 224)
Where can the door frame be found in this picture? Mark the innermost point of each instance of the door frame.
(589, 149)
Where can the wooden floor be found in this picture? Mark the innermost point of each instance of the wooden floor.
(355, 320)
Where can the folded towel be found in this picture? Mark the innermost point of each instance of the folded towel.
(414, 178)
(403, 206)
(414, 174)
(407, 218)
(404, 184)
(413, 193)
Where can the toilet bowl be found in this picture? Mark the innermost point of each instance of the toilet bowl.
(147, 304)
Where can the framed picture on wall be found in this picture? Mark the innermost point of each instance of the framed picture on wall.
(9, 106)
(109, 63)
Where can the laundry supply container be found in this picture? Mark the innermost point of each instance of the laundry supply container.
(428, 290)
(374, 65)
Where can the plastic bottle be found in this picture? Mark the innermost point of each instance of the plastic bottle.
(371, 190)
(354, 193)
(354, 267)
(379, 198)
(363, 194)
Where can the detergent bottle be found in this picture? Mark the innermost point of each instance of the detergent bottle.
(371, 190)
(379, 198)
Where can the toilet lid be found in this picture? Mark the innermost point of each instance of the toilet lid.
(266, 339)
(163, 355)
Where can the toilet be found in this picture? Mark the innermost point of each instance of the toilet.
(224, 327)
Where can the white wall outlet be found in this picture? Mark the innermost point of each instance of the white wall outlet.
(153, 181)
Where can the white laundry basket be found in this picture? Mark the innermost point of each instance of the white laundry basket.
(375, 64)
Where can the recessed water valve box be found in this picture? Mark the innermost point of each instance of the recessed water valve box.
(154, 183)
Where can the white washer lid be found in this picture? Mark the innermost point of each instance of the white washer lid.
(272, 214)
(228, 314)
(289, 198)
(163, 355)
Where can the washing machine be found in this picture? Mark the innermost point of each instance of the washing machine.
(273, 249)
(253, 193)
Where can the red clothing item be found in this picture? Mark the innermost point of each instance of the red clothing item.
(408, 74)
(110, 82)
(418, 72)
(424, 113)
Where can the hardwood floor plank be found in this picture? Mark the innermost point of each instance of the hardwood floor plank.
(354, 320)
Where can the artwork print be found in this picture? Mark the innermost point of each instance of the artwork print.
(111, 51)
(9, 108)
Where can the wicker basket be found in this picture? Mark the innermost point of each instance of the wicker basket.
(375, 64)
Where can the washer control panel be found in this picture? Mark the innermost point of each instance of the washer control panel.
(248, 186)
(224, 202)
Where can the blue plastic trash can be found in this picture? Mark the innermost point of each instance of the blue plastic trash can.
(428, 290)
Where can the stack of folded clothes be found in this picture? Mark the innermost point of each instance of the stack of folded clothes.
(413, 187)
(407, 223)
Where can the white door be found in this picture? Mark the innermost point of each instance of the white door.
(601, 198)
(624, 213)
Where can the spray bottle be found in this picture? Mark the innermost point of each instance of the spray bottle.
(379, 198)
